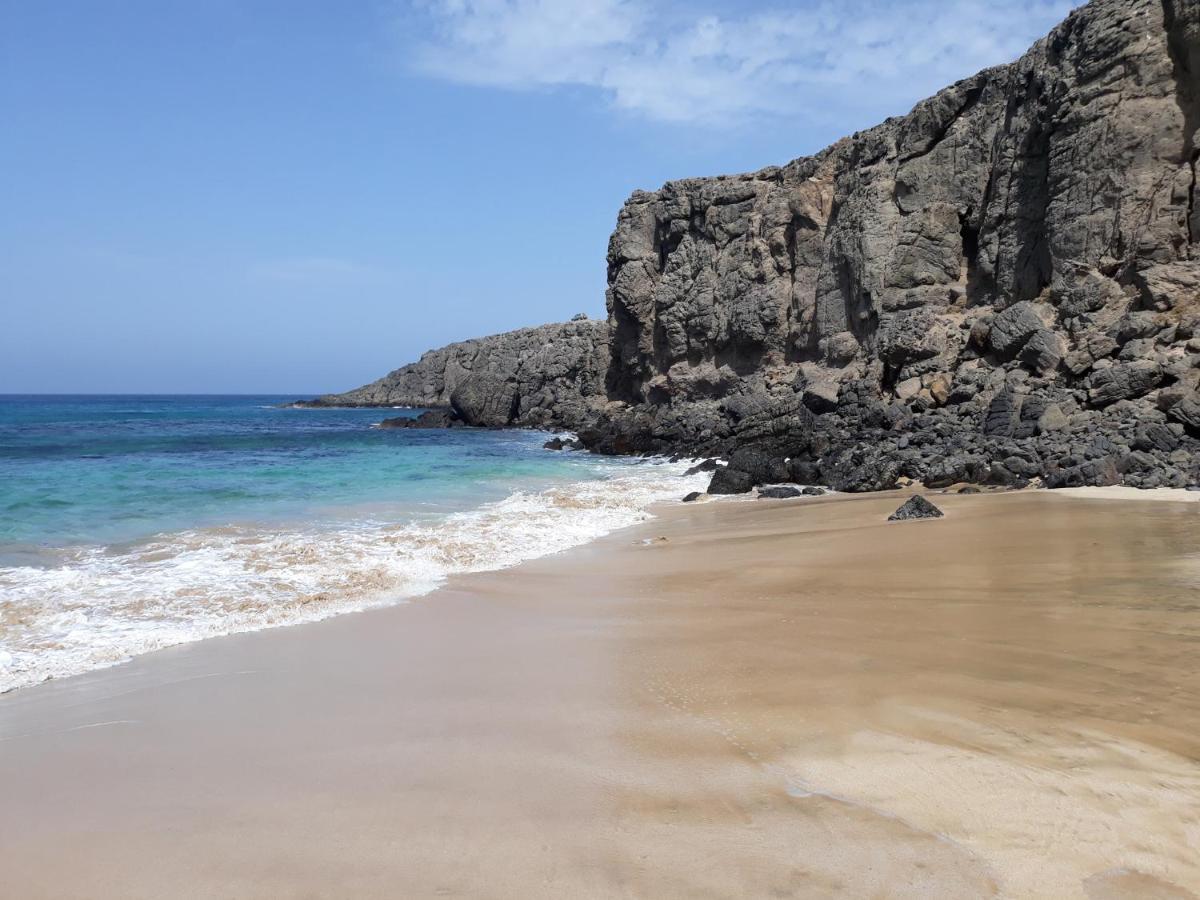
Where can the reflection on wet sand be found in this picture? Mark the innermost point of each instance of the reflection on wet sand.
(1017, 680)
(789, 698)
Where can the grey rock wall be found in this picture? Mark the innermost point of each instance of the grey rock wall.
(1003, 284)
(1023, 241)
(549, 376)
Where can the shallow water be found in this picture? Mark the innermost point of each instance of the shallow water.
(133, 523)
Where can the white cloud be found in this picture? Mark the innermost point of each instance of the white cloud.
(673, 63)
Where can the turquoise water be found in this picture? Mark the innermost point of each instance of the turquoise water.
(129, 523)
(79, 469)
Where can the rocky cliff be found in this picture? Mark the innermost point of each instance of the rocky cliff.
(1003, 284)
(1000, 284)
(549, 376)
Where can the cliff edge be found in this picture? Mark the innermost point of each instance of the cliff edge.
(1003, 284)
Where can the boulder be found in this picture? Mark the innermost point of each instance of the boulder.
(727, 480)
(778, 492)
(1012, 327)
(915, 507)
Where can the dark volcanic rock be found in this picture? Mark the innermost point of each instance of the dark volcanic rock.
(778, 492)
(547, 376)
(999, 286)
(707, 465)
(555, 444)
(730, 481)
(431, 418)
(916, 507)
(692, 497)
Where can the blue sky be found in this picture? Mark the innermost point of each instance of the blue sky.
(260, 195)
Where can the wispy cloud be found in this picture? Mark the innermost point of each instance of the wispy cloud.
(680, 63)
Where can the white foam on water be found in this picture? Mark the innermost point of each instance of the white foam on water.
(99, 606)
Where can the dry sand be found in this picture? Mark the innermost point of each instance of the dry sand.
(789, 698)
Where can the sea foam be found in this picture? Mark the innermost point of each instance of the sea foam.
(97, 606)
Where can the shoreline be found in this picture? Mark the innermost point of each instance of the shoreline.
(650, 513)
(172, 588)
(730, 698)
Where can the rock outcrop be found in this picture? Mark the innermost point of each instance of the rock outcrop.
(549, 376)
(1002, 285)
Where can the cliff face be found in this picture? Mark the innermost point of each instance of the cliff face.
(550, 376)
(1020, 243)
(1003, 284)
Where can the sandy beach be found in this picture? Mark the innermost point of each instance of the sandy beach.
(771, 698)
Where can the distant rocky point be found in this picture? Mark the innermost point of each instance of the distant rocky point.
(999, 286)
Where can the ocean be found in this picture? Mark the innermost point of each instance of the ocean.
(132, 523)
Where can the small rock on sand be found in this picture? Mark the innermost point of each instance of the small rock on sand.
(916, 507)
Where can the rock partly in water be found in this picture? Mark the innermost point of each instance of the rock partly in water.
(551, 376)
(692, 497)
(730, 481)
(778, 492)
(916, 507)
(431, 418)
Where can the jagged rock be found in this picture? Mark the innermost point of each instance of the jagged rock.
(813, 491)
(999, 285)
(706, 465)
(1052, 419)
(1093, 472)
(1156, 436)
(763, 467)
(939, 389)
(915, 507)
(1122, 381)
(555, 444)
(1012, 327)
(1003, 413)
(547, 376)
(780, 492)
(431, 418)
(1042, 352)
(1187, 411)
(730, 481)
(821, 396)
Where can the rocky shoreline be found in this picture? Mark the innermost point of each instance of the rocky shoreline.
(998, 287)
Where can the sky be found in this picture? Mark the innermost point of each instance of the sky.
(290, 196)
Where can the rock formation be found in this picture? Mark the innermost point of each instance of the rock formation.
(1003, 284)
(549, 376)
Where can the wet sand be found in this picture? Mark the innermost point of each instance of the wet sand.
(788, 698)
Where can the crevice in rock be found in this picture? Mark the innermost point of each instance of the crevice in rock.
(972, 97)
(665, 242)
(969, 233)
(1191, 201)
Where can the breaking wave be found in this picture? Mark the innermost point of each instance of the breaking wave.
(91, 607)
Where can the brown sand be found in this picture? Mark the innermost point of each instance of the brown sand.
(780, 699)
